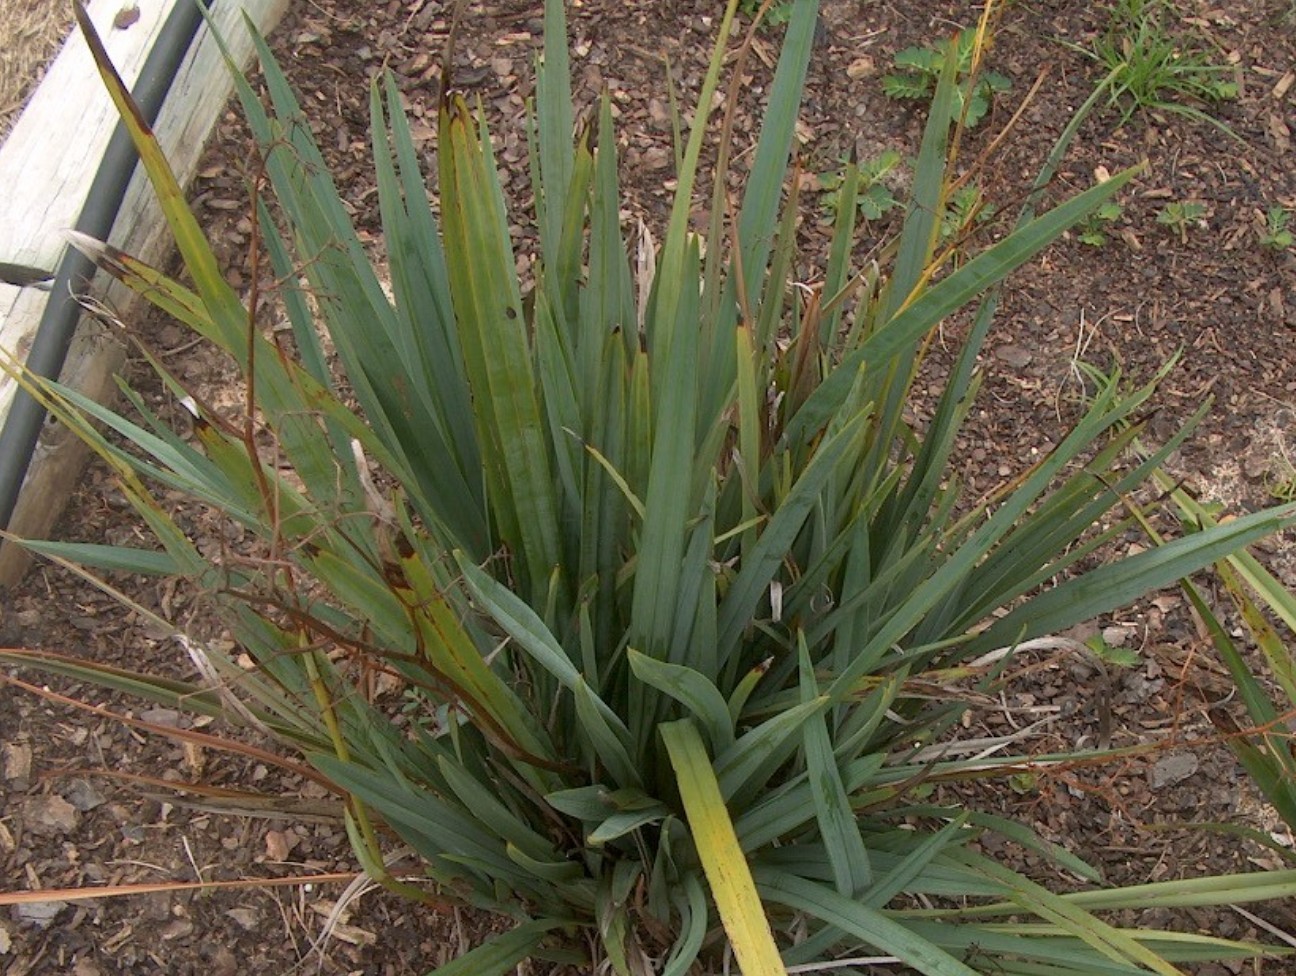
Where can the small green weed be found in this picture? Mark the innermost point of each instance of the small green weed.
(1277, 236)
(1179, 216)
(1023, 783)
(1152, 67)
(1281, 482)
(919, 69)
(1120, 657)
(967, 207)
(1093, 231)
(873, 194)
(780, 11)
(1264, 749)
(1283, 485)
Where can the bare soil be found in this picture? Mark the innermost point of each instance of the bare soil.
(69, 813)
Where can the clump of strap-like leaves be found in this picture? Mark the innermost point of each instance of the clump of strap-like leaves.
(664, 577)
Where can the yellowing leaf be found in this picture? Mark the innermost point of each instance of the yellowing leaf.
(722, 859)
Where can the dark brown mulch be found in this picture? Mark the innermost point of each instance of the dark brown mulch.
(1216, 294)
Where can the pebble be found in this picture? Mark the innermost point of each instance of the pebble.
(224, 963)
(49, 816)
(17, 765)
(1171, 769)
(1018, 357)
(245, 917)
(83, 795)
(861, 67)
(39, 913)
(1116, 635)
(161, 716)
(180, 928)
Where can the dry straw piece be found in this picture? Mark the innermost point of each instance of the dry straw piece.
(30, 33)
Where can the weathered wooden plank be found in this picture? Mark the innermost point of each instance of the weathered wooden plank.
(46, 166)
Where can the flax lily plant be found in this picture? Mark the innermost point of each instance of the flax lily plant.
(651, 548)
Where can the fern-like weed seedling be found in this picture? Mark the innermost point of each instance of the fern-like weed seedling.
(1179, 216)
(918, 69)
(1093, 231)
(875, 179)
(966, 208)
(1276, 235)
(780, 11)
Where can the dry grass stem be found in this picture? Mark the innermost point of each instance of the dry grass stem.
(30, 33)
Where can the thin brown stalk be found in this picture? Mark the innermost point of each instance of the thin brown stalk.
(185, 735)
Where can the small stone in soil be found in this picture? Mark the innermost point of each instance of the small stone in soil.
(17, 765)
(39, 913)
(180, 928)
(49, 816)
(1014, 356)
(224, 963)
(1172, 769)
(83, 795)
(161, 716)
(245, 917)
